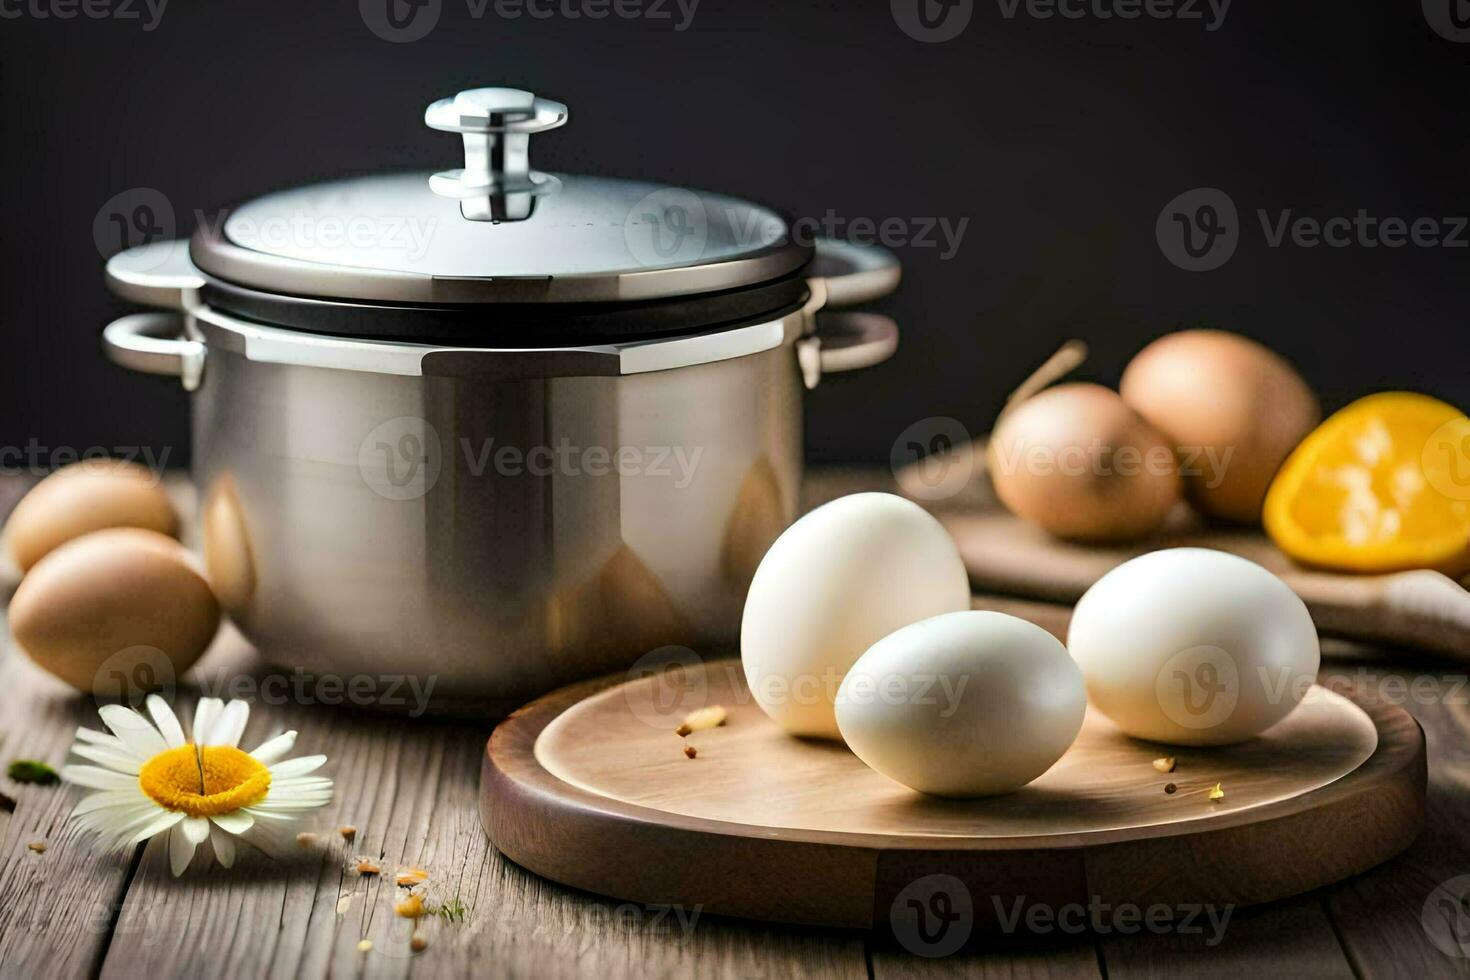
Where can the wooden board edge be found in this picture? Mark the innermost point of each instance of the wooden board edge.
(851, 880)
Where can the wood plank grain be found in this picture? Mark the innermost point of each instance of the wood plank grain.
(410, 789)
(59, 904)
(1292, 938)
(1393, 921)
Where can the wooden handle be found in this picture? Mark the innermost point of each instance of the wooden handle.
(1421, 609)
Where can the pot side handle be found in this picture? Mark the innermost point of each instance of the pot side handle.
(153, 343)
(852, 274)
(844, 274)
(159, 274)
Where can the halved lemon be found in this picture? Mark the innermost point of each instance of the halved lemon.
(1381, 486)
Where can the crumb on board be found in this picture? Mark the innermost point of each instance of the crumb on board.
(711, 717)
(411, 907)
(1171, 788)
(367, 866)
(1217, 793)
(39, 846)
(1166, 763)
(349, 833)
(690, 751)
(408, 877)
(306, 838)
(418, 944)
(364, 945)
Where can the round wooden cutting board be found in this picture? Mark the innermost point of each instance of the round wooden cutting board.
(590, 786)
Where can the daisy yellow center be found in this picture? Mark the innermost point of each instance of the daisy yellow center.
(204, 782)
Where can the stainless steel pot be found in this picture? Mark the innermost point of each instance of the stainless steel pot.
(551, 440)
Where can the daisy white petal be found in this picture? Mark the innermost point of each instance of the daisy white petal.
(168, 723)
(234, 823)
(196, 829)
(107, 799)
(108, 757)
(116, 819)
(297, 767)
(158, 822)
(180, 850)
(230, 725)
(121, 826)
(100, 738)
(205, 714)
(140, 737)
(224, 847)
(272, 749)
(97, 778)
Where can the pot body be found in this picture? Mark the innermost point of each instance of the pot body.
(493, 537)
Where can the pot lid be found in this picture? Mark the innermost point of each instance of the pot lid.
(496, 230)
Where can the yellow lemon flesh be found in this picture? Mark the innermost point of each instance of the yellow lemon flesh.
(205, 782)
(1381, 486)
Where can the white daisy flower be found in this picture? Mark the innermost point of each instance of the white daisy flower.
(151, 781)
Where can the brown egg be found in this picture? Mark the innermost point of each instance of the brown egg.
(1083, 465)
(115, 611)
(228, 557)
(1232, 409)
(84, 497)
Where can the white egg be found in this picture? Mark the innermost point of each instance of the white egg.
(837, 581)
(964, 704)
(1194, 647)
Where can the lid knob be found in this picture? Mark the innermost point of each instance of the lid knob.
(497, 182)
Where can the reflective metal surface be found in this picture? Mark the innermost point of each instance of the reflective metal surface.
(500, 537)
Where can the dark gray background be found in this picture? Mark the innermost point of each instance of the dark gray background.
(1060, 140)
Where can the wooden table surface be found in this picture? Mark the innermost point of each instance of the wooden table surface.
(410, 789)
